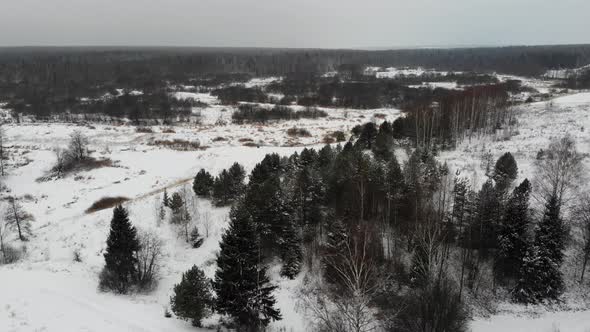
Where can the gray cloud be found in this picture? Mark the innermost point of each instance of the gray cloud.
(293, 23)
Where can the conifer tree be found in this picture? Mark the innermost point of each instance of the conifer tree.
(291, 254)
(551, 234)
(120, 259)
(242, 286)
(166, 199)
(512, 238)
(505, 172)
(383, 147)
(176, 203)
(192, 299)
(540, 274)
(484, 234)
(203, 184)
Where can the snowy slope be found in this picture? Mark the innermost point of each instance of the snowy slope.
(48, 291)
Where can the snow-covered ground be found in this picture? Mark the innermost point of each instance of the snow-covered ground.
(49, 291)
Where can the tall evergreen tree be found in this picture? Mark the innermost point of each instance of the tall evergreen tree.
(383, 147)
(120, 259)
(484, 234)
(540, 274)
(242, 286)
(551, 233)
(513, 242)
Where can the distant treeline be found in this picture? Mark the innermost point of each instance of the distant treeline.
(45, 81)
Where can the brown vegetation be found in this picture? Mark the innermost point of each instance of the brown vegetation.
(106, 203)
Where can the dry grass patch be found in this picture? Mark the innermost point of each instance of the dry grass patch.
(298, 132)
(106, 203)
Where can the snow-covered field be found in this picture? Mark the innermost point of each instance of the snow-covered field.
(49, 291)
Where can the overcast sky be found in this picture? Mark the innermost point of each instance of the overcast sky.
(294, 23)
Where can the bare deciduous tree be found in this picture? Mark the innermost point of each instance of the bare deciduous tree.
(356, 275)
(18, 219)
(559, 170)
(78, 146)
(148, 258)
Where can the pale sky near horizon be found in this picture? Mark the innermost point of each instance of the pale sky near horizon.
(294, 23)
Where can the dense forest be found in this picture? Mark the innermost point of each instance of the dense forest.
(50, 81)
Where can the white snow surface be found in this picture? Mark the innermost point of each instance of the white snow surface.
(48, 291)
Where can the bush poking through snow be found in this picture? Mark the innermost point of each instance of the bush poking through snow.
(298, 132)
(192, 299)
(195, 238)
(10, 254)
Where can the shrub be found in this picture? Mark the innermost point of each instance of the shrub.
(144, 130)
(195, 238)
(10, 254)
(192, 299)
(106, 203)
(298, 132)
(179, 144)
(436, 307)
(255, 113)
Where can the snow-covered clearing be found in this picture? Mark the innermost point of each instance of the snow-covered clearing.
(49, 291)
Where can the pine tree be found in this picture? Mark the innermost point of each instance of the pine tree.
(383, 147)
(505, 172)
(367, 136)
(485, 233)
(176, 203)
(203, 184)
(291, 254)
(551, 234)
(242, 286)
(120, 259)
(512, 237)
(192, 297)
(237, 175)
(540, 275)
(166, 199)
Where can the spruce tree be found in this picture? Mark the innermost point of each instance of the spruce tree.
(383, 147)
(203, 184)
(512, 238)
(551, 234)
(192, 299)
(242, 286)
(176, 203)
(540, 275)
(485, 233)
(291, 253)
(120, 259)
(166, 199)
(505, 172)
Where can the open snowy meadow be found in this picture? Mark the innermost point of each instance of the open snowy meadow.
(54, 286)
